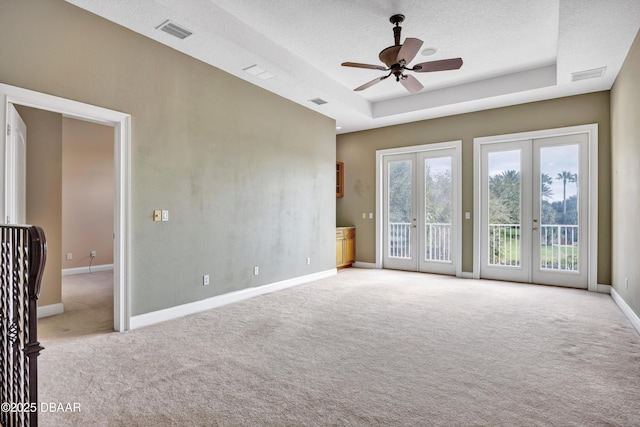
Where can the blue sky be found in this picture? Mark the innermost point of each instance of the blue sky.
(553, 160)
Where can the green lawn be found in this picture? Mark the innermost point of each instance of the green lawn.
(505, 250)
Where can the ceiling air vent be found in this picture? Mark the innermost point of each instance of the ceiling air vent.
(174, 29)
(588, 74)
(318, 101)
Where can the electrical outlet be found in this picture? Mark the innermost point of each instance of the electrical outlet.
(69, 255)
(256, 270)
(308, 261)
(92, 254)
(205, 280)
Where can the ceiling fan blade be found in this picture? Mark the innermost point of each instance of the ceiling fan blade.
(371, 83)
(409, 50)
(369, 66)
(442, 65)
(411, 83)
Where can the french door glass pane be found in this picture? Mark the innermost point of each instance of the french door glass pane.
(559, 208)
(505, 194)
(400, 208)
(438, 205)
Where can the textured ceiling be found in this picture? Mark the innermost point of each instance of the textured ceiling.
(514, 51)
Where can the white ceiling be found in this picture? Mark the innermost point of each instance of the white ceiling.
(514, 51)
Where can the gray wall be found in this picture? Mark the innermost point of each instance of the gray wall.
(358, 152)
(248, 177)
(625, 147)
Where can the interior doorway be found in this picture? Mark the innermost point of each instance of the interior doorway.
(120, 123)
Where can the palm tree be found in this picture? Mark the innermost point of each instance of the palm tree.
(545, 186)
(566, 176)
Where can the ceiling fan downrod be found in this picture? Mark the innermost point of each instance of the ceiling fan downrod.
(397, 20)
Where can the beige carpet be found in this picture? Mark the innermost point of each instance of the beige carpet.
(88, 308)
(366, 347)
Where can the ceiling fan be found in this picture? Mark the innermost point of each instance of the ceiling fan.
(397, 57)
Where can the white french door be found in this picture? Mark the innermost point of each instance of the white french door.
(534, 210)
(420, 215)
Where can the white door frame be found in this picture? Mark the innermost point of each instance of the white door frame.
(457, 202)
(121, 123)
(592, 132)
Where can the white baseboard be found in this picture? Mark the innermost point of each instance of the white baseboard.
(50, 310)
(359, 264)
(170, 313)
(633, 317)
(466, 275)
(85, 270)
(604, 289)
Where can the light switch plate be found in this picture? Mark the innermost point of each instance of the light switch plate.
(157, 215)
(165, 215)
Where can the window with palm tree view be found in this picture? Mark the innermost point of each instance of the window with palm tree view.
(558, 208)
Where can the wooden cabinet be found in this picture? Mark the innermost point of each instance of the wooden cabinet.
(339, 179)
(345, 246)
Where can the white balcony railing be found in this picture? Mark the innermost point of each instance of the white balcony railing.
(558, 246)
(504, 245)
(437, 241)
(400, 240)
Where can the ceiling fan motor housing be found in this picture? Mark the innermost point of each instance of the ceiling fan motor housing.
(390, 55)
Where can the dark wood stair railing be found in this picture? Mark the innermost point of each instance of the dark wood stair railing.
(22, 260)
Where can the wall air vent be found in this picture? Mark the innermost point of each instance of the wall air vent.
(318, 101)
(588, 74)
(174, 29)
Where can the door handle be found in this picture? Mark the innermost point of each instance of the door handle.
(415, 223)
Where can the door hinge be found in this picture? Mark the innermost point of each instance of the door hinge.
(8, 130)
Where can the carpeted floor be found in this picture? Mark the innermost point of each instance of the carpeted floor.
(365, 347)
(88, 308)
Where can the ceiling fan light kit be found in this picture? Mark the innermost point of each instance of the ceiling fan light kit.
(397, 57)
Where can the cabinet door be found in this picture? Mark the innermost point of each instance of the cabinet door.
(339, 252)
(350, 250)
